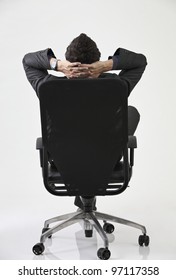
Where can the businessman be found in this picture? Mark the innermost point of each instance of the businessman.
(82, 60)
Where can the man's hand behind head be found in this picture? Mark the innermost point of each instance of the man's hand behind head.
(98, 67)
(78, 70)
(95, 69)
(66, 67)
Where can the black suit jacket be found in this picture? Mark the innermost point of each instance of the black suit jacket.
(132, 66)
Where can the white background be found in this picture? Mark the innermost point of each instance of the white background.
(147, 27)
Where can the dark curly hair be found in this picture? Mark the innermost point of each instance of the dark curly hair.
(82, 49)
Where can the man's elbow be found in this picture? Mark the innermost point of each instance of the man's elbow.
(25, 59)
(144, 60)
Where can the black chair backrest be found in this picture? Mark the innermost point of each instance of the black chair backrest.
(84, 129)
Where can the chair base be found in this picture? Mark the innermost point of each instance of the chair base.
(90, 219)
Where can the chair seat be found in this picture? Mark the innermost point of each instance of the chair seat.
(54, 176)
(116, 177)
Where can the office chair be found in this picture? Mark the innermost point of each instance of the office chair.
(84, 136)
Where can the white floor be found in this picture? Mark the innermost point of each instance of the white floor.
(21, 229)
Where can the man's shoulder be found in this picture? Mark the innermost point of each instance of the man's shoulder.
(54, 78)
(47, 78)
(50, 77)
(109, 75)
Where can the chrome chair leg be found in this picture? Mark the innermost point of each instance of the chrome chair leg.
(99, 229)
(74, 219)
(103, 216)
(59, 218)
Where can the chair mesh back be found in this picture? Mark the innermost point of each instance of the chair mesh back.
(84, 129)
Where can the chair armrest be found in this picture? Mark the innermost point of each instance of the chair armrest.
(132, 142)
(39, 146)
(39, 143)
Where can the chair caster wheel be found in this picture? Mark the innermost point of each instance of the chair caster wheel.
(108, 228)
(144, 240)
(103, 254)
(44, 230)
(88, 232)
(38, 248)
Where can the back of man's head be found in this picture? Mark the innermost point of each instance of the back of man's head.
(82, 49)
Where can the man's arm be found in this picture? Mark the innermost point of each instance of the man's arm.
(132, 66)
(37, 63)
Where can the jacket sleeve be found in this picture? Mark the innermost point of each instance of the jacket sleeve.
(132, 66)
(36, 65)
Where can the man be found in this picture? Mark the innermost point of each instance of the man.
(83, 61)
